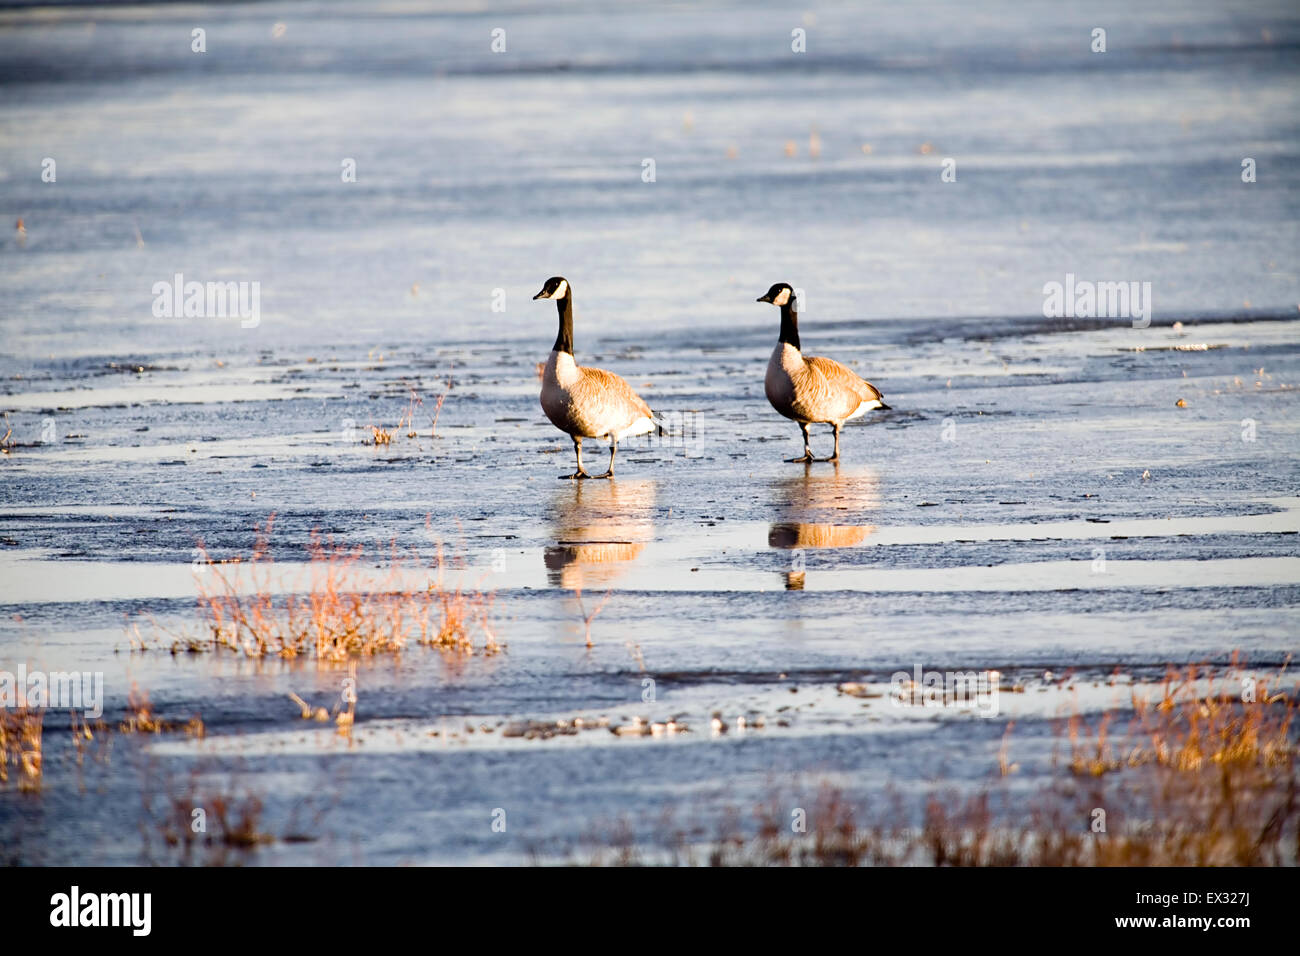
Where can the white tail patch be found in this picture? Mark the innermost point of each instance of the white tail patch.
(642, 426)
(866, 407)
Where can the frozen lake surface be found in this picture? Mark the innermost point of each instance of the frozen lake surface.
(1066, 496)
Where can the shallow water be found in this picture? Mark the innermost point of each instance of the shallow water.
(1035, 500)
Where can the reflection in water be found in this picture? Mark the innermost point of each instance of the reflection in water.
(783, 535)
(815, 508)
(600, 526)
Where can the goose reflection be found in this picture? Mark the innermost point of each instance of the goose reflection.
(599, 529)
(816, 511)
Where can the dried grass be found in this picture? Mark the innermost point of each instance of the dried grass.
(1200, 721)
(212, 825)
(588, 619)
(1205, 776)
(341, 616)
(21, 733)
(141, 719)
(415, 403)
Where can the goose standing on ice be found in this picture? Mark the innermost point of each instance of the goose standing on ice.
(587, 402)
(811, 390)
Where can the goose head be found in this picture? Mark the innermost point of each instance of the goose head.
(556, 287)
(779, 294)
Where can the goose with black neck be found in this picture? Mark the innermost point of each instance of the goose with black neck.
(587, 402)
(811, 390)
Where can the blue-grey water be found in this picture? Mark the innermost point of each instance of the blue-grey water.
(1036, 500)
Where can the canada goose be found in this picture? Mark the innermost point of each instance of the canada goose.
(811, 389)
(587, 402)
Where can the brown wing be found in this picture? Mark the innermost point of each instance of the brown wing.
(600, 402)
(615, 391)
(839, 377)
(831, 392)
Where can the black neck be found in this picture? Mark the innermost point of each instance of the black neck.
(789, 324)
(564, 340)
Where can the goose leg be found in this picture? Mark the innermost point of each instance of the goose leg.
(807, 449)
(836, 455)
(609, 472)
(577, 448)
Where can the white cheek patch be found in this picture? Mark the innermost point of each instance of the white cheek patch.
(782, 297)
(560, 290)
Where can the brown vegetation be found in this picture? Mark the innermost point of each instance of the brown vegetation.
(21, 732)
(1205, 776)
(342, 615)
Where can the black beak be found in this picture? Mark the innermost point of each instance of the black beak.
(762, 298)
(540, 295)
